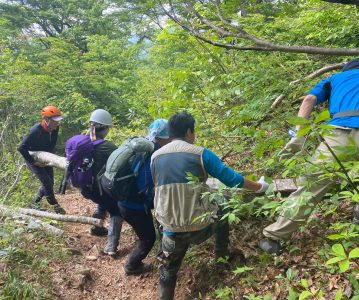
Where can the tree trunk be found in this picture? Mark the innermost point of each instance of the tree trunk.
(50, 159)
(58, 217)
(13, 214)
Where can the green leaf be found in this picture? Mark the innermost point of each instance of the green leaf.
(354, 253)
(304, 283)
(338, 295)
(242, 270)
(323, 116)
(299, 121)
(305, 295)
(303, 131)
(334, 260)
(338, 250)
(343, 265)
(335, 237)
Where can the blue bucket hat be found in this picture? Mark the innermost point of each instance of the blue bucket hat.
(158, 129)
(353, 64)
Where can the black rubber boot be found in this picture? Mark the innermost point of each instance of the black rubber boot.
(36, 203)
(57, 208)
(141, 269)
(271, 247)
(98, 231)
(356, 214)
(167, 289)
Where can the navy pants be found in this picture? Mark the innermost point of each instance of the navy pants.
(104, 201)
(46, 177)
(142, 223)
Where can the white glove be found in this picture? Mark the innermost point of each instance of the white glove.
(294, 146)
(264, 186)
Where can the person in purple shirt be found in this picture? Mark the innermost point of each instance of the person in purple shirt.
(342, 92)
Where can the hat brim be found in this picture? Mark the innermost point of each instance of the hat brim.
(57, 119)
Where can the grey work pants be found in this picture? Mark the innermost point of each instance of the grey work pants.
(312, 187)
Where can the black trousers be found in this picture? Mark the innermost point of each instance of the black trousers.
(142, 223)
(46, 177)
(104, 201)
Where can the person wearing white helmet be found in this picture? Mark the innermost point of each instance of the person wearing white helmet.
(100, 124)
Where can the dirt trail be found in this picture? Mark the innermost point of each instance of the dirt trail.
(103, 277)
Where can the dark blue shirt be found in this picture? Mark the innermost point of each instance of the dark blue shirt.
(344, 96)
(38, 139)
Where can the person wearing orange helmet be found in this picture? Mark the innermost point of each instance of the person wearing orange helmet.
(43, 137)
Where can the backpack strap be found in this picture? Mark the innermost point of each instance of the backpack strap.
(348, 113)
(98, 142)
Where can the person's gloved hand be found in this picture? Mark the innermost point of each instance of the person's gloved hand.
(40, 164)
(294, 146)
(264, 187)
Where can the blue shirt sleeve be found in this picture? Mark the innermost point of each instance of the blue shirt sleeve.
(214, 167)
(320, 91)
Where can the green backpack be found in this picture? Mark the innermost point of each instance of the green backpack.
(119, 179)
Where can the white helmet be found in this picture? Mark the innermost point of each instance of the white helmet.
(101, 116)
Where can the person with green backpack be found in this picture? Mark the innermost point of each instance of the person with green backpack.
(128, 180)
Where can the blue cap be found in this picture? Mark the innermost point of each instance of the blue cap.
(158, 129)
(352, 65)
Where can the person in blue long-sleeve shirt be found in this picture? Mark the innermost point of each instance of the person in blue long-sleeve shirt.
(342, 92)
(179, 204)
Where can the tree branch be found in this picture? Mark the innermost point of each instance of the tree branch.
(260, 45)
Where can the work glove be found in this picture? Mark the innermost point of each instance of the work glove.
(264, 187)
(294, 146)
(40, 164)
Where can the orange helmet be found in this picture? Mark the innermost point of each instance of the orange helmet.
(50, 111)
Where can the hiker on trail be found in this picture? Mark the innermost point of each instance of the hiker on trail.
(100, 124)
(178, 203)
(342, 92)
(138, 213)
(43, 137)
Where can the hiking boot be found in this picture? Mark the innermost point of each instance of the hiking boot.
(98, 231)
(270, 246)
(36, 203)
(230, 257)
(109, 250)
(59, 210)
(141, 269)
(167, 289)
(356, 214)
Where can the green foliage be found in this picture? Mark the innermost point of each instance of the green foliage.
(26, 258)
(225, 293)
(341, 258)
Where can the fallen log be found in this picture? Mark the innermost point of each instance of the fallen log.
(63, 218)
(50, 159)
(13, 214)
(285, 186)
